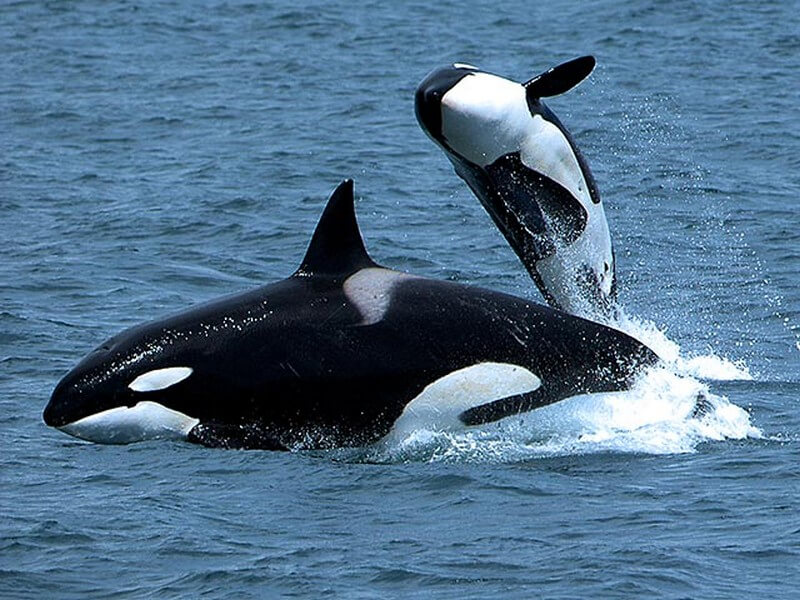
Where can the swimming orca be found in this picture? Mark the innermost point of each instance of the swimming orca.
(336, 355)
(525, 168)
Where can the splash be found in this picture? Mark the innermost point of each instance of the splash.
(708, 366)
(657, 416)
(669, 410)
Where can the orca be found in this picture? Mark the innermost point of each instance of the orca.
(527, 171)
(336, 355)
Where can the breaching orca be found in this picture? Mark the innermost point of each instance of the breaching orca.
(336, 355)
(524, 167)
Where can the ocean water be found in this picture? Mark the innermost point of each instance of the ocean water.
(160, 154)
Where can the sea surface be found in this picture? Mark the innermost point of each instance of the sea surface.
(154, 155)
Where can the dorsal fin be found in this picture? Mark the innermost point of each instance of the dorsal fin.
(336, 246)
(560, 79)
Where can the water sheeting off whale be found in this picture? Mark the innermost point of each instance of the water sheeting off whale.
(528, 173)
(336, 355)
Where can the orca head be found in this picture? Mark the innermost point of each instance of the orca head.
(528, 173)
(473, 115)
(202, 366)
(478, 117)
(133, 387)
(429, 95)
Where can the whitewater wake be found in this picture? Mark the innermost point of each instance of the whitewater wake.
(659, 415)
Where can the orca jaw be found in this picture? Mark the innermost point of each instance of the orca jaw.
(110, 399)
(145, 420)
(115, 417)
(428, 99)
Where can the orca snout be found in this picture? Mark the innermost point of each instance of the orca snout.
(52, 416)
(429, 94)
(60, 410)
(90, 387)
(109, 412)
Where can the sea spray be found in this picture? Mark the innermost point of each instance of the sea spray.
(707, 366)
(669, 410)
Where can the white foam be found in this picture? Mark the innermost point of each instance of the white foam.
(706, 366)
(657, 416)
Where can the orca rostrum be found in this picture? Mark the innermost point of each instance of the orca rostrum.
(336, 355)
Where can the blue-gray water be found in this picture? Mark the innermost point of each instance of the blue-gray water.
(161, 154)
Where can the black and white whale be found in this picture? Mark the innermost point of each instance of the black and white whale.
(525, 168)
(337, 355)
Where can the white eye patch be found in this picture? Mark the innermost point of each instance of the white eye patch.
(159, 379)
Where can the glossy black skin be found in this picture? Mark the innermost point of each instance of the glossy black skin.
(290, 364)
(515, 196)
